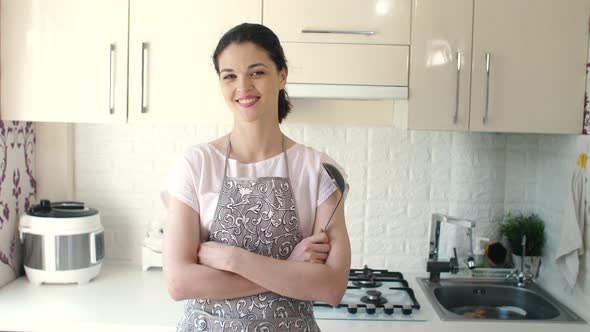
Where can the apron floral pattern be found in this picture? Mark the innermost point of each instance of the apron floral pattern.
(259, 215)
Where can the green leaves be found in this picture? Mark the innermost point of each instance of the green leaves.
(515, 226)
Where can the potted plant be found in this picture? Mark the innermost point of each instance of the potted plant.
(514, 227)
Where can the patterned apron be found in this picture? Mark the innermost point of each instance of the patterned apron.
(259, 215)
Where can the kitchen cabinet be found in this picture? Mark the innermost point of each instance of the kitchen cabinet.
(63, 60)
(171, 73)
(332, 47)
(520, 68)
(440, 71)
(311, 21)
(67, 61)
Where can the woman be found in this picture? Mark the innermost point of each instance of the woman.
(244, 241)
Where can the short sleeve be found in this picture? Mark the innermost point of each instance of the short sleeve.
(180, 183)
(326, 185)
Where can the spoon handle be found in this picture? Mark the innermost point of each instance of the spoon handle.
(333, 211)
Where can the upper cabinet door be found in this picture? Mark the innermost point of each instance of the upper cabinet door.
(64, 60)
(440, 65)
(335, 21)
(171, 73)
(529, 60)
(347, 64)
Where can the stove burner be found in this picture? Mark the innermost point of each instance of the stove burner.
(373, 294)
(373, 297)
(368, 273)
(369, 283)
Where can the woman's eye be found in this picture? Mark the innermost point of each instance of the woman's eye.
(257, 73)
(230, 76)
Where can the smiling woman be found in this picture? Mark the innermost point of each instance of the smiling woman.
(250, 87)
(244, 243)
(243, 46)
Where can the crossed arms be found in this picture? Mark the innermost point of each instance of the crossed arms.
(317, 269)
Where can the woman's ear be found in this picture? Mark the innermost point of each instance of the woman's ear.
(283, 77)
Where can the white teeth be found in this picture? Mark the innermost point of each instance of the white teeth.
(247, 101)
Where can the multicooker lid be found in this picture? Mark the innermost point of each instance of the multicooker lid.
(46, 209)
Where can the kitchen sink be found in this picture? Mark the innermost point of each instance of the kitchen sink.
(471, 299)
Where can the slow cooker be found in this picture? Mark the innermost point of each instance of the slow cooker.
(63, 242)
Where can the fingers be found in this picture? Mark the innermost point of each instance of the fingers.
(314, 249)
(317, 252)
(321, 237)
(320, 247)
(319, 258)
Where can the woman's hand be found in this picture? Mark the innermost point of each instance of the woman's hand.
(312, 249)
(218, 255)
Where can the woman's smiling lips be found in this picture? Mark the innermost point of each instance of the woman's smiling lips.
(247, 101)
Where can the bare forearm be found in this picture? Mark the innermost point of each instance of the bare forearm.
(189, 281)
(298, 280)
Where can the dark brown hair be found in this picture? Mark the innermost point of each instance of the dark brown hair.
(264, 38)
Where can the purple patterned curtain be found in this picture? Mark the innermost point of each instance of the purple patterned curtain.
(18, 190)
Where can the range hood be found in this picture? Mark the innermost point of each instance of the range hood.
(345, 91)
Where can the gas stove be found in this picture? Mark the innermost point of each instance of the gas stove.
(374, 295)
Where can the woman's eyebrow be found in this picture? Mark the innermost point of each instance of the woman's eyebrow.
(249, 67)
(256, 65)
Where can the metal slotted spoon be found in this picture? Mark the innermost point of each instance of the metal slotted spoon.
(338, 180)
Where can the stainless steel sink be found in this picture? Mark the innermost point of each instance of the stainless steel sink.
(469, 299)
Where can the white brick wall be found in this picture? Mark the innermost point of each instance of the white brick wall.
(398, 178)
(538, 174)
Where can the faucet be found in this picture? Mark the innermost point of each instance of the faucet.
(434, 266)
(522, 278)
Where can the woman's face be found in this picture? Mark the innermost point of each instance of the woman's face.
(250, 82)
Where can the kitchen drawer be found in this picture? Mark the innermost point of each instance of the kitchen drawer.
(389, 20)
(383, 65)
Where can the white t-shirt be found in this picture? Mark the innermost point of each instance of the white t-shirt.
(196, 178)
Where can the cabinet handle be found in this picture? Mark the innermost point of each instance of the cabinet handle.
(341, 32)
(144, 50)
(112, 50)
(485, 117)
(456, 117)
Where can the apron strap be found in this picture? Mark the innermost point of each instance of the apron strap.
(285, 154)
(226, 157)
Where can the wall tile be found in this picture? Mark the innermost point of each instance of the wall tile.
(540, 184)
(398, 179)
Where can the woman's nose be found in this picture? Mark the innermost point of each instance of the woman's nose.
(244, 83)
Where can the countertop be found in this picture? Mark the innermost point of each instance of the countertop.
(124, 298)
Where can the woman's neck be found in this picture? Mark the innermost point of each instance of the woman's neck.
(250, 143)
